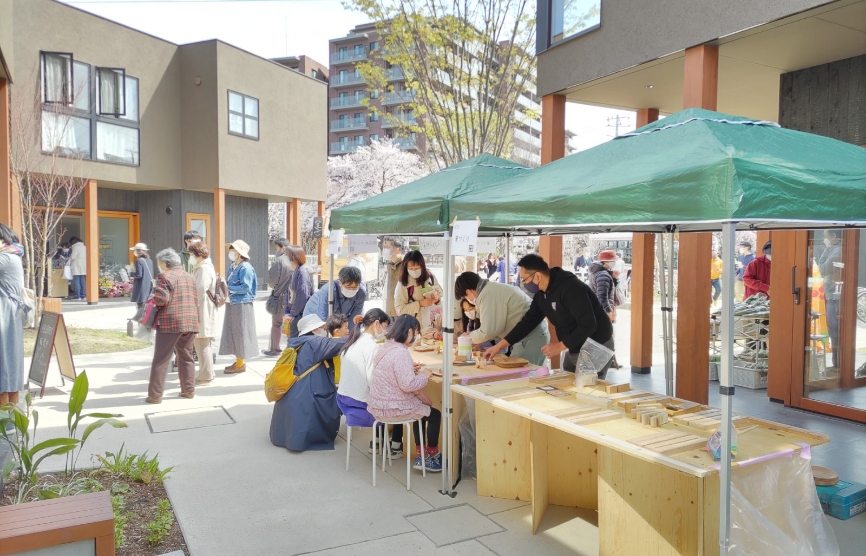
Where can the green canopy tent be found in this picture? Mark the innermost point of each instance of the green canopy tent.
(422, 207)
(696, 170)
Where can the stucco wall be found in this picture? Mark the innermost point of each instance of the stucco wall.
(632, 33)
(6, 38)
(200, 131)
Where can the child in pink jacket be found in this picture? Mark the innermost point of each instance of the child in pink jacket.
(396, 391)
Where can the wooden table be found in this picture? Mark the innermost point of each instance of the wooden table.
(648, 503)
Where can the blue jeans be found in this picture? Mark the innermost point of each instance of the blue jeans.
(79, 286)
(717, 288)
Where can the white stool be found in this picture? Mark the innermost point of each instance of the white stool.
(386, 447)
(349, 444)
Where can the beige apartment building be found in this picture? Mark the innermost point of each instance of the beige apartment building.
(353, 125)
(170, 137)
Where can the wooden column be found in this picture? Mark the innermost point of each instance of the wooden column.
(218, 249)
(642, 284)
(293, 221)
(552, 148)
(700, 90)
(760, 240)
(10, 209)
(91, 241)
(320, 212)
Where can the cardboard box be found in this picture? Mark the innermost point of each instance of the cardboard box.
(843, 500)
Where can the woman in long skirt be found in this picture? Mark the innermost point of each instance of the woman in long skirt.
(239, 330)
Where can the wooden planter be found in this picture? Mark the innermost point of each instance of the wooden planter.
(52, 304)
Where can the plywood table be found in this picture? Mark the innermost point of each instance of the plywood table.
(650, 499)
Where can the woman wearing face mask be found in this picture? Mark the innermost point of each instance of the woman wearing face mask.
(397, 392)
(307, 417)
(356, 371)
(11, 322)
(349, 297)
(142, 275)
(279, 276)
(205, 282)
(300, 288)
(239, 328)
(418, 293)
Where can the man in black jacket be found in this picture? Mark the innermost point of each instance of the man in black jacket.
(570, 305)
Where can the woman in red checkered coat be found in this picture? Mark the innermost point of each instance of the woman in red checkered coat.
(176, 325)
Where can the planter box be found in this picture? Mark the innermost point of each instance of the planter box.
(754, 379)
(714, 370)
(52, 304)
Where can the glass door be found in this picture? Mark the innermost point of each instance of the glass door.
(834, 378)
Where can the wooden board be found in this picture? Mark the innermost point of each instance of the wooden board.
(595, 417)
(538, 448)
(628, 405)
(502, 453)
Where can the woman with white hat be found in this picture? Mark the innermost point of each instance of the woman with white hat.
(141, 274)
(307, 416)
(239, 329)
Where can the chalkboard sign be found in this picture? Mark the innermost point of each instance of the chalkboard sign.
(52, 337)
(318, 223)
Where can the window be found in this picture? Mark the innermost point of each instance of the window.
(243, 115)
(374, 116)
(81, 86)
(359, 50)
(314, 74)
(374, 93)
(344, 95)
(57, 78)
(374, 46)
(359, 140)
(359, 95)
(199, 223)
(117, 143)
(131, 99)
(111, 90)
(569, 18)
(65, 135)
(374, 136)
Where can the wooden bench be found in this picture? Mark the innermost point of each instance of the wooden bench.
(59, 521)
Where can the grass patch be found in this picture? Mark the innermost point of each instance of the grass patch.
(90, 340)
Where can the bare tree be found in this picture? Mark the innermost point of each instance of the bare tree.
(466, 66)
(46, 164)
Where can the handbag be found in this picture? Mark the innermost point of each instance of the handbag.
(148, 318)
(67, 272)
(272, 305)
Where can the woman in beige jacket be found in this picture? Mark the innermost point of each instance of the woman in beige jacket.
(417, 292)
(205, 281)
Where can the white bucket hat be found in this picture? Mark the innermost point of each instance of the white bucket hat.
(139, 247)
(309, 323)
(241, 246)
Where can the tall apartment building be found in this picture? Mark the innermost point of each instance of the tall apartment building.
(352, 125)
(305, 65)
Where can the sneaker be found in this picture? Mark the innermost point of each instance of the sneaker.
(417, 464)
(378, 448)
(434, 463)
(396, 450)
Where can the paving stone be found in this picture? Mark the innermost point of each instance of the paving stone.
(185, 419)
(453, 524)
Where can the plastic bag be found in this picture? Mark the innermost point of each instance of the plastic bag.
(714, 444)
(775, 509)
(590, 361)
(466, 426)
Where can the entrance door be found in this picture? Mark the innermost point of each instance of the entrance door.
(834, 374)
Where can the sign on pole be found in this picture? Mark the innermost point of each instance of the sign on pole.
(486, 245)
(318, 225)
(363, 244)
(464, 238)
(431, 245)
(52, 337)
(335, 242)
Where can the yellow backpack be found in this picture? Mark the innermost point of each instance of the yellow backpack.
(282, 376)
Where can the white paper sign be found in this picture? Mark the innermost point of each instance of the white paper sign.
(432, 245)
(363, 244)
(335, 242)
(464, 238)
(486, 245)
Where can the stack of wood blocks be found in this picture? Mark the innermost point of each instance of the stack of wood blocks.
(709, 419)
(652, 414)
(669, 443)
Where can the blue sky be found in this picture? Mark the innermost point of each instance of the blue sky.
(273, 28)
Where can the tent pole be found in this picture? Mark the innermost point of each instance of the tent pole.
(507, 259)
(669, 365)
(331, 289)
(726, 387)
(447, 352)
(663, 295)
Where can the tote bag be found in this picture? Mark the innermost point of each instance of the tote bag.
(148, 318)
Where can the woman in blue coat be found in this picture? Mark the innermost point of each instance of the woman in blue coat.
(307, 417)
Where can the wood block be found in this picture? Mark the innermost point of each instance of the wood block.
(571, 411)
(628, 405)
(614, 388)
(684, 446)
(704, 424)
(624, 387)
(554, 377)
(593, 418)
(687, 410)
(654, 421)
(629, 395)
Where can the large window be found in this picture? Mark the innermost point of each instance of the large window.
(243, 115)
(569, 18)
(90, 113)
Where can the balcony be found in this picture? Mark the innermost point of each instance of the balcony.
(398, 120)
(398, 97)
(345, 147)
(406, 143)
(395, 74)
(347, 102)
(347, 56)
(341, 80)
(347, 124)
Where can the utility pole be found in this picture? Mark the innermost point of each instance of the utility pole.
(615, 122)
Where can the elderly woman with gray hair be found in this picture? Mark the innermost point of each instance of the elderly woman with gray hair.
(176, 296)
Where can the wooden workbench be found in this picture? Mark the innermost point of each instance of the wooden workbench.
(648, 502)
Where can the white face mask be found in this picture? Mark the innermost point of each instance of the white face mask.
(769, 257)
(470, 315)
(415, 273)
(349, 294)
(386, 253)
(193, 259)
(233, 256)
(378, 336)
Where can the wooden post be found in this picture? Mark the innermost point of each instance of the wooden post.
(320, 212)
(218, 249)
(642, 284)
(10, 209)
(760, 240)
(552, 148)
(91, 241)
(293, 221)
(700, 90)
